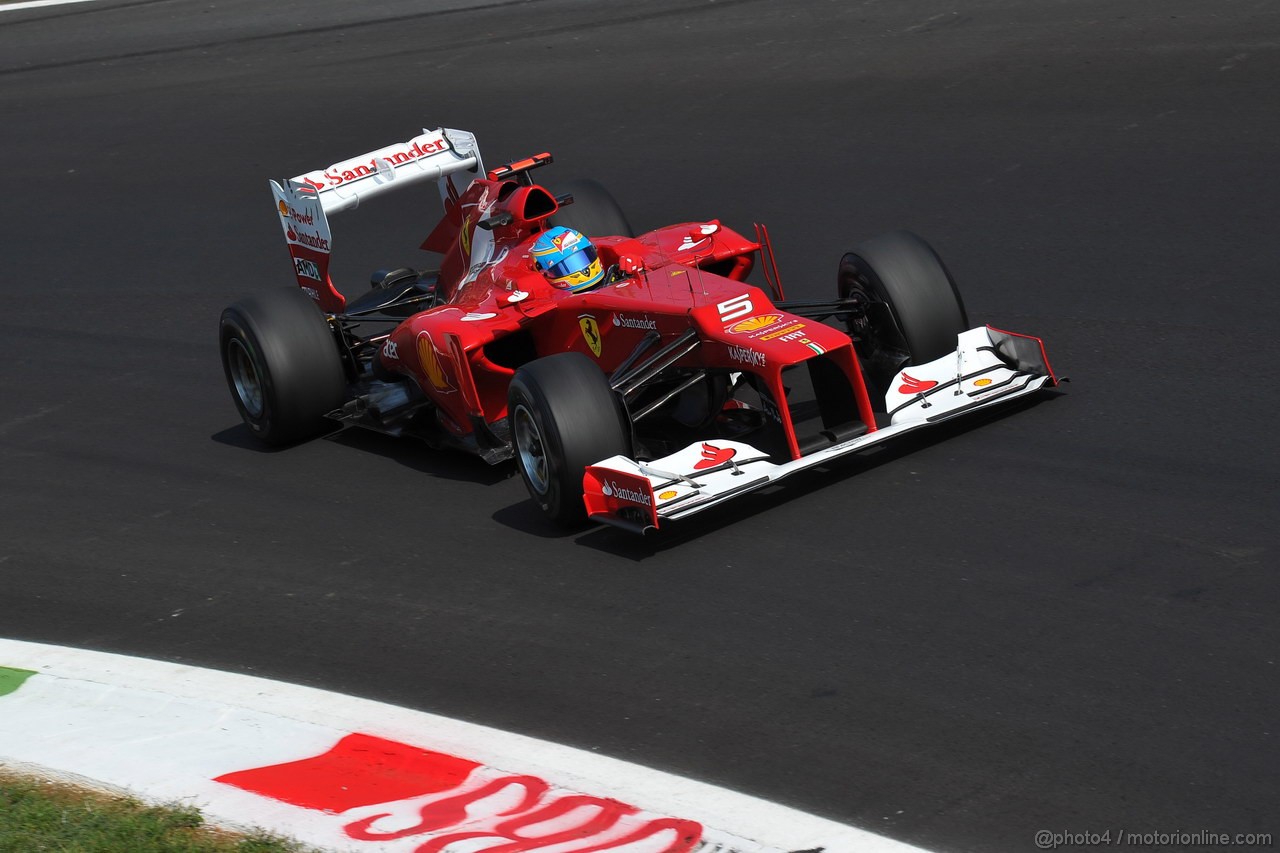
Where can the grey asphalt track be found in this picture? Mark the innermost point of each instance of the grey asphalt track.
(1061, 618)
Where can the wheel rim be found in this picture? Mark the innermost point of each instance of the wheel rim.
(877, 335)
(244, 375)
(533, 452)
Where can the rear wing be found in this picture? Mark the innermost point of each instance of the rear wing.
(304, 202)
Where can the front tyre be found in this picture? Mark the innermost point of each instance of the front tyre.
(912, 308)
(563, 417)
(282, 365)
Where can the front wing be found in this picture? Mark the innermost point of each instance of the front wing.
(988, 368)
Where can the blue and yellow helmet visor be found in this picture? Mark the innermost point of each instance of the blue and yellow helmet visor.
(578, 271)
(568, 259)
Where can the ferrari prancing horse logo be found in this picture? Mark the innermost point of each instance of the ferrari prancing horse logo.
(590, 332)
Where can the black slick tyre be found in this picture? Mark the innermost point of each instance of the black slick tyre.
(563, 417)
(913, 306)
(282, 365)
(594, 211)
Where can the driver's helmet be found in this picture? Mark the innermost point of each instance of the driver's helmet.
(567, 259)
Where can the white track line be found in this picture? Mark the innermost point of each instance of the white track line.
(164, 731)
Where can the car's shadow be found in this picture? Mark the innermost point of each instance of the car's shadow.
(412, 453)
(421, 457)
(241, 437)
(525, 517)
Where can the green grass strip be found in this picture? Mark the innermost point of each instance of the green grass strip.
(54, 818)
(11, 679)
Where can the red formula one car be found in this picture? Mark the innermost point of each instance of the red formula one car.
(670, 386)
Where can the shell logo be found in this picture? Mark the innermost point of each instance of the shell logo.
(464, 237)
(667, 495)
(432, 368)
(982, 383)
(754, 324)
(284, 209)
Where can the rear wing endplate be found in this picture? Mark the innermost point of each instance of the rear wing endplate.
(304, 202)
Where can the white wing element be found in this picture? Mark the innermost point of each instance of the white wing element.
(989, 367)
(434, 155)
(444, 155)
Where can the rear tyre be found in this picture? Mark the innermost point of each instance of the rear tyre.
(563, 417)
(594, 211)
(913, 310)
(282, 365)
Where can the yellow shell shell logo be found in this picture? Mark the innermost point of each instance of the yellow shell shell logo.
(464, 238)
(754, 324)
(667, 495)
(982, 383)
(429, 358)
(284, 209)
